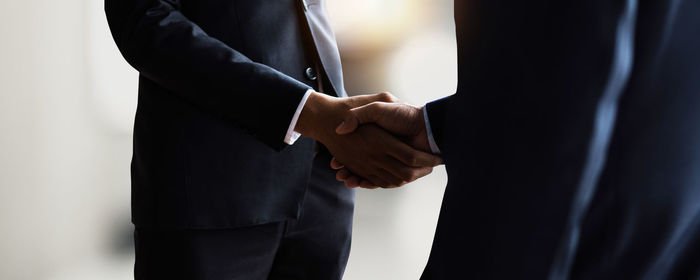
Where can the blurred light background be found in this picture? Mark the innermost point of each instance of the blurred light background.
(67, 102)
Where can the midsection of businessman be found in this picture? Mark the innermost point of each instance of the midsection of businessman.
(220, 84)
(571, 143)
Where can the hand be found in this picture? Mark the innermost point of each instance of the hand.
(403, 120)
(370, 152)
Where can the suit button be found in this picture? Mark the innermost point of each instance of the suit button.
(310, 74)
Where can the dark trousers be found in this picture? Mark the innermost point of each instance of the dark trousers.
(316, 246)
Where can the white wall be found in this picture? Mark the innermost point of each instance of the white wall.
(63, 173)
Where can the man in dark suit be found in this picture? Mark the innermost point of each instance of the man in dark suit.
(572, 144)
(218, 189)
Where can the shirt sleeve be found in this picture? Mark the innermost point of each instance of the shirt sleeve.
(292, 135)
(431, 140)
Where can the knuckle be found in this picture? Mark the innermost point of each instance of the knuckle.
(406, 156)
(413, 160)
(389, 182)
(397, 182)
(415, 175)
(407, 175)
(375, 106)
(391, 97)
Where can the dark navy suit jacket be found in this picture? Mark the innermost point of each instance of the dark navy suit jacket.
(572, 144)
(220, 81)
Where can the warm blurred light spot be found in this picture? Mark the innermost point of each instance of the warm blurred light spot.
(403, 46)
(371, 26)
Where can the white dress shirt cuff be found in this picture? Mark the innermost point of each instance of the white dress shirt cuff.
(292, 135)
(431, 140)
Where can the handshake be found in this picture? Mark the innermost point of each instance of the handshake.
(376, 141)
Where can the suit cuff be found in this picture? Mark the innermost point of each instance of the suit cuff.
(292, 135)
(431, 140)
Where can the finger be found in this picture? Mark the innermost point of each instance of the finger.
(388, 97)
(343, 175)
(357, 116)
(335, 164)
(348, 125)
(392, 181)
(373, 181)
(406, 173)
(353, 181)
(367, 184)
(397, 169)
(412, 157)
(422, 172)
(365, 99)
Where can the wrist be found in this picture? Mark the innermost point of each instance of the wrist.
(421, 119)
(424, 142)
(316, 115)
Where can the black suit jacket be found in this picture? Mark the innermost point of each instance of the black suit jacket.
(219, 84)
(572, 144)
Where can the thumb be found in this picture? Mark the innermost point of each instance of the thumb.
(361, 100)
(348, 125)
(387, 97)
(358, 116)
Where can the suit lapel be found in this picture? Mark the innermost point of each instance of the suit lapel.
(324, 40)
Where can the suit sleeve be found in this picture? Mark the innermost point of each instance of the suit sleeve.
(437, 114)
(169, 49)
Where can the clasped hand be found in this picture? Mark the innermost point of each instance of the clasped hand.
(379, 142)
